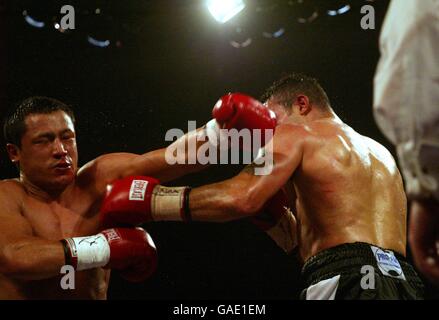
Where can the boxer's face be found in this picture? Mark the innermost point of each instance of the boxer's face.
(48, 155)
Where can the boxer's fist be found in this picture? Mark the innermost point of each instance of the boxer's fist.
(136, 199)
(240, 111)
(128, 202)
(277, 220)
(132, 252)
(128, 250)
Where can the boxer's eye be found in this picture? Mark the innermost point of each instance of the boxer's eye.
(41, 141)
(67, 135)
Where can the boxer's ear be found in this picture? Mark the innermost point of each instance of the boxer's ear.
(13, 152)
(304, 105)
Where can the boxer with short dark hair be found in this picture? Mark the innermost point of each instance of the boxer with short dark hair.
(289, 86)
(49, 215)
(15, 126)
(345, 188)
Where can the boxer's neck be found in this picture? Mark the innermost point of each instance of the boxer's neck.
(314, 116)
(47, 193)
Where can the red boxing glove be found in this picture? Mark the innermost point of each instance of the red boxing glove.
(131, 251)
(128, 201)
(136, 199)
(277, 220)
(240, 111)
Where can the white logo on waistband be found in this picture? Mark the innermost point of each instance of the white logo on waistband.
(387, 263)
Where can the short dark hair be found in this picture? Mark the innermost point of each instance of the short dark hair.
(285, 91)
(14, 126)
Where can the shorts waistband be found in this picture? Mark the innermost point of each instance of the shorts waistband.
(333, 261)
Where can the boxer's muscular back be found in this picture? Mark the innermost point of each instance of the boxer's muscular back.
(348, 189)
(53, 221)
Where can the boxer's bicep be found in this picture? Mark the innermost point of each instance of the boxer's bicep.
(284, 154)
(166, 164)
(108, 168)
(13, 229)
(245, 194)
(176, 160)
(105, 169)
(13, 226)
(161, 165)
(12, 222)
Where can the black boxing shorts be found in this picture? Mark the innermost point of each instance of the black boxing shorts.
(360, 271)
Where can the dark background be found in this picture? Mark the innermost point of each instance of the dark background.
(169, 62)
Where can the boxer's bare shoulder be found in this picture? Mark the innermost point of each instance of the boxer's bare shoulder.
(12, 192)
(13, 185)
(381, 153)
(292, 133)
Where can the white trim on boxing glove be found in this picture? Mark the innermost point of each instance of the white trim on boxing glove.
(170, 204)
(216, 136)
(88, 252)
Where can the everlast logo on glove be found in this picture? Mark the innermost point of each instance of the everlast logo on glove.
(137, 191)
(111, 234)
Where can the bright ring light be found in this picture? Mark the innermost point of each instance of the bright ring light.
(224, 10)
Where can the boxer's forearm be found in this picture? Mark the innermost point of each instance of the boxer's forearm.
(166, 164)
(136, 200)
(173, 162)
(32, 259)
(182, 155)
(221, 202)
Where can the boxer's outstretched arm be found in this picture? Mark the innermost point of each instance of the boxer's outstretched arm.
(22, 255)
(132, 200)
(135, 200)
(235, 111)
(107, 168)
(156, 163)
(245, 194)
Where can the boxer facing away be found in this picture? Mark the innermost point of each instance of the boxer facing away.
(49, 215)
(347, 192)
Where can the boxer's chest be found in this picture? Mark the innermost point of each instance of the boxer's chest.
(54, 221)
